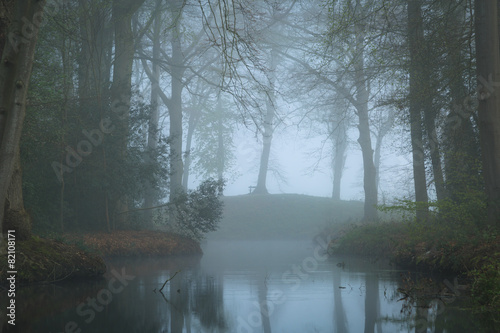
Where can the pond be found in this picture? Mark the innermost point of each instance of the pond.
(241, 287)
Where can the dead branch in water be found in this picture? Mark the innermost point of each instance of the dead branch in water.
(169, 280)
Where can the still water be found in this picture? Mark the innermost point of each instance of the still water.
(240, 287)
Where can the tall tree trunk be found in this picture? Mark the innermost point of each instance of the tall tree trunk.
(122, 82)
(151, 194)
(430, 128)
(422, 74)
(194, 116)
(364, 140)
(84, 55)
(488, 72)
(267, 135)
(65, 49)
(461, 144)
(382, 132)
(15, 70)
(340, 146)
(175, 105)
(416, 44)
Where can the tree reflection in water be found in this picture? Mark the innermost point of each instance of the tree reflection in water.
(264, 307)
(340, 318)
(196, 295)
(372, 307)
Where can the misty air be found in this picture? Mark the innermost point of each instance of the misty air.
(249, 166)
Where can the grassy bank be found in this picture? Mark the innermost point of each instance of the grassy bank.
(472, 254)
(278, 216)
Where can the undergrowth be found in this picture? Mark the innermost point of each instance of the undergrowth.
(454, 238)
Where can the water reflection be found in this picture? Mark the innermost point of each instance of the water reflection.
(207, 302)
(263, 305)
(239, 288)
(339, 315)
(372, 303)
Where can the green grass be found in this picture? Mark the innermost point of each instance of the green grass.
(279, 216)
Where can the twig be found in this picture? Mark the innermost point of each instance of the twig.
(58, 280)
(169, 280)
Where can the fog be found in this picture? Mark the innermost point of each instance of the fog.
(249, 166)
(307, 170)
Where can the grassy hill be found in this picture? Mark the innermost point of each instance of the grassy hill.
(282, 216)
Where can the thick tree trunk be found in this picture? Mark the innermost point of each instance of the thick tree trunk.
(415, 39)
(488, 72)
(382, 132)
(94, 56)
(437, 169)
(122, 83)
(340, 144)
(176, 164)
(175, 106)
(67, 64)
(421, 72)
(369, 172)
(16, 217)
(15, 71)
(151, 194)
(194, 116)
(461, 144)
(84, 55)
(267, 136)
(364, 140)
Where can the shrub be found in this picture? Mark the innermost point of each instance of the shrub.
(486, 286)
(195, 213)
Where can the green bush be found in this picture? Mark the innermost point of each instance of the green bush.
(486, 286)
(195, 213)
(447, 219)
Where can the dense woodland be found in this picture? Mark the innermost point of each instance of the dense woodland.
(108, 107)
